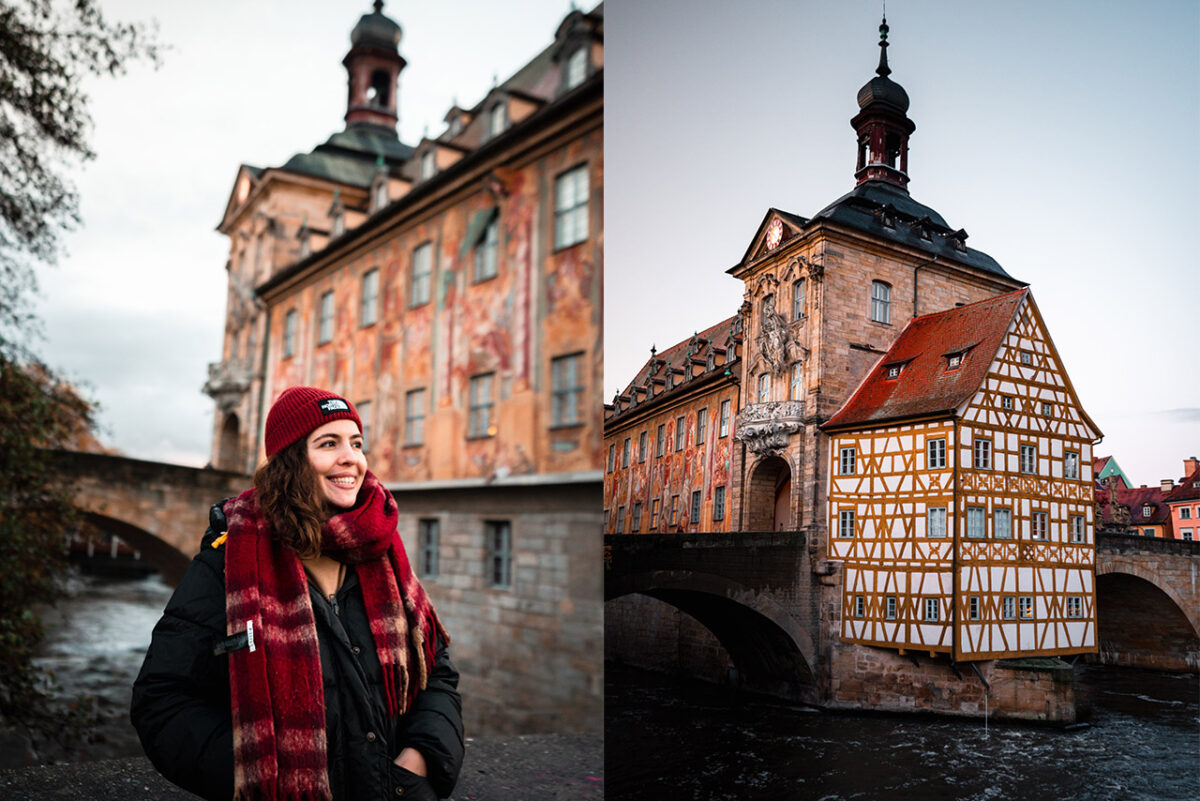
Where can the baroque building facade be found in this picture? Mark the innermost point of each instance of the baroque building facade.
(826, 298)
(451, 290)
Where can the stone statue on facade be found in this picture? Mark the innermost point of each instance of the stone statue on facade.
(773, 341)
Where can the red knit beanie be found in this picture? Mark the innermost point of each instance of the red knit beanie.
(301, 410)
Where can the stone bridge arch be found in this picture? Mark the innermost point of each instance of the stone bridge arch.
(1148, 599)
(160, 509)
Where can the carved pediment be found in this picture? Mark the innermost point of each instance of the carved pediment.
(766, 428)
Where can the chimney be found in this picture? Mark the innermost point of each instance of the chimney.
(1189, 466)
(1167, 485)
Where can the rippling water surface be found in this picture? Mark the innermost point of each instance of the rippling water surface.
(95, 642)
(698, 742)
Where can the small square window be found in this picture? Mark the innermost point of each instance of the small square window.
(1026, 357)
(893, 371)
(954, 361)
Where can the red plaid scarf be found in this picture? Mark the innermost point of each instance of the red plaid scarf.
(277, 696)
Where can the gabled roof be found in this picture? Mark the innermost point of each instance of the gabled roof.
(925, 387)
(1188, 489)
(1138, 499)
(1105, 466)
(792, 225)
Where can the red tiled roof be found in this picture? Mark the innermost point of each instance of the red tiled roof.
(1137, 499)
(1188, 489)
(925, 386)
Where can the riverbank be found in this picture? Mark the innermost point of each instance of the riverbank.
(542, 767)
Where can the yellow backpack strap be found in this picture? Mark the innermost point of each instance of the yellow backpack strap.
(219, 541)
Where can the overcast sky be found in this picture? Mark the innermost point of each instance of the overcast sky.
(135, 312)
(1060, 135)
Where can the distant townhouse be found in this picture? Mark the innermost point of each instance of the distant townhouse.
(1183, 503)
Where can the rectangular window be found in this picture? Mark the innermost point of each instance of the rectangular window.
(1147, 532)
(325, 319)
(953, 361)
(694, 518)
(976, 522)
(973, 608)
(660, 439)
(1026, 357)
(932, 607)
(983, 454)
(364, 414)
(421, 279)
(642, 446)
(701, 425)
(797, 383)
(481, 421)
(846, 524)
(860, 606)
(486, 249)
(625, 447)
(567, 388)
(1047, 409)
(620, 518)
(674, 513)
(1008, 607)
(935, 451)
(1071, 465)
(612, 456)
(1041, 525)
(1002, 524)
(680, 433)
(368, 310)
(893, 371)
(724, 427)
(571, 207)
(636, 520)
(890, 605)
(1077, 528)
(1186, 534)
(936, 522)
(764, 387)
(797, 299)
(428, 541)
(655, 510)
(414, 417)
(1074, 606)
(1025, 607)
(289, 334)
(577, 67)
(1006, 402)
(881, 302)
(719, 503)
(1028, 459)
(846, 462)
(1185, 513)
(498, 534)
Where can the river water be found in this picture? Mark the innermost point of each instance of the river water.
(95, 641)
(696, 742)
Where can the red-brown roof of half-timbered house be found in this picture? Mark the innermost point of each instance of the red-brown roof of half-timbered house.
(1139, 499)
(1188, 489)
(925, 386)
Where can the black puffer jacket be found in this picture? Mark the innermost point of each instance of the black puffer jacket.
(181, 707)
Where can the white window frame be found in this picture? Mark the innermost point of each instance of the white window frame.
(890, 608)
(1025, 608)
(881, 302)
(846, 461)
(1071, 465)
(1002, 523)
(571, 207)
(680, 432)
(982, 451)
(797, 380)
(701, 425)
(1074, 606)
(764, 387)
(933, 609)
(798, 299)
(973, 607)
(725, 410)
(935, 522)
(577, 64)
(1078, 528)
(860, 606)
(1028, 459)
(846, 524)
(976, 522)
(935, 454)
(1039, 526)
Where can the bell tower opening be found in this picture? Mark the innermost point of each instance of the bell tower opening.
(373, 70)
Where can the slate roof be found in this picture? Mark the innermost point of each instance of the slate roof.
(924, 386)
(349, 156)
(676, 356)
(871, 205)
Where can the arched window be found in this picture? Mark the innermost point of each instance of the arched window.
(379, 93)
(881, 302)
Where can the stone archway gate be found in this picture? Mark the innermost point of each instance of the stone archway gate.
(161, 509)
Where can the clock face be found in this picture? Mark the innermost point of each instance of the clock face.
(774, 233)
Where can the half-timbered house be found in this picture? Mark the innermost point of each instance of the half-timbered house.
(960, 491)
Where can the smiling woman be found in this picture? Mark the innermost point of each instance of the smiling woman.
(300, 656)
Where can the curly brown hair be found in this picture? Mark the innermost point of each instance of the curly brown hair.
(290, 498)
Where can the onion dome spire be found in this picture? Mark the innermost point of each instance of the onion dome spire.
(882, 124)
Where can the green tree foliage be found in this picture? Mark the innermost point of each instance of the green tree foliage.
(46, 48)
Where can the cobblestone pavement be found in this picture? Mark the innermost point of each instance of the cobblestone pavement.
(543, 767)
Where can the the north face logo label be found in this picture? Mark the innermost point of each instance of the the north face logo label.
(331, 405)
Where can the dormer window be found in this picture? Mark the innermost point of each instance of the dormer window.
(456, 126)
(893, 371)
(1147, 510)
(428, 164)
(954, 361)
(577, 68)
(497, 118)
(339, 224)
